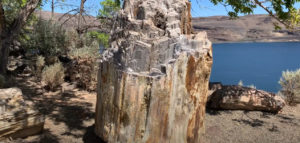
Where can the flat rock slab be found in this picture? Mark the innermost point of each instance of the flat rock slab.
(18, 118)
(244, 98)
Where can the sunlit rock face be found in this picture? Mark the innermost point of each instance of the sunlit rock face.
(153, 81)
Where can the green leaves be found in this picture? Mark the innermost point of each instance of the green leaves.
(295, 17)
(109, 8)
(238, 6)
(12, 8)
(282, 10)
(47, 38)
(101, 37)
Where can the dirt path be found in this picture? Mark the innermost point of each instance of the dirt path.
(69, 113)
(70, 119)
(253, 127)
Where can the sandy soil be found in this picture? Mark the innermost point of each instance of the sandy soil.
(69, 113)
(253, 127)
(70, 119)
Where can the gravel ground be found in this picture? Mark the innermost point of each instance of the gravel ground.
(70, 119)
(69, 113)
(253, 127)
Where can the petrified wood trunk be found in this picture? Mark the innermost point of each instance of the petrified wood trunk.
(17, 117)
(153, 81)
(233, 97)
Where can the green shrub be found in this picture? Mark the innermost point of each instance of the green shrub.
(102, 38)
(290, 86)
(46, 38)
(53, 75)
(86, 52)
(40, 63)
(2, 81)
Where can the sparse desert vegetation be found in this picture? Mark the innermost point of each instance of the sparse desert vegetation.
(290, 83)
(139, 71)
(53, 75)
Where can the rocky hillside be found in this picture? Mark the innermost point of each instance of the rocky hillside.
(246, 28)
(219, 28)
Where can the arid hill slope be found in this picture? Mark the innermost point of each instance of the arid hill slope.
(246, 28)
(219, 28)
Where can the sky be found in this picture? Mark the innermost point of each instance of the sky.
(202, 8)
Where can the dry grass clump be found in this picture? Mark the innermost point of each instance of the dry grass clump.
(2, 81)
(241, 83)
(84, 72)
(252, 86)
(88, 51)
(53, 75)
(40, 63)
(290, 86)
(84, 68)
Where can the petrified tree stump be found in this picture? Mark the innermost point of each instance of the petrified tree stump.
(153, 81)
(18, 118)
(234, 97)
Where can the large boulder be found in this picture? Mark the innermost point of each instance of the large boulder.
(153, 82)
(18, 118)
(234, 97)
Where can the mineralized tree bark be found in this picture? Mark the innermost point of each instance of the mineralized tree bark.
(18, 118)
(153, 81)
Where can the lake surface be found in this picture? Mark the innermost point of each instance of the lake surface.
(260, 64)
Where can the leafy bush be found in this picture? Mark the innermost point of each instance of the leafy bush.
(86, 52)
(46, 38)
(40, 63)
(290, 86)
(102, 38)
(53, 75)
(2, 81)
(109, 8)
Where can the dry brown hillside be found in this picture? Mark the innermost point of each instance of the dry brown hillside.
(219, 28)
(246, 28)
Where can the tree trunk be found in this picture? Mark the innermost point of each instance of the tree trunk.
(4, 46)
(80, 17)
(80, 26)
(3, 58)
(9, 31)
(52, 9)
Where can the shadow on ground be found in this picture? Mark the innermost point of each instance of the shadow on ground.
(90, 136)
(61, 107)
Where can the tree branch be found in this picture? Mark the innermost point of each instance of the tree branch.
(271, 13)
(23, 16)
(76, 9)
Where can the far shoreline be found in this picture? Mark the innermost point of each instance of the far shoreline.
(256, 41)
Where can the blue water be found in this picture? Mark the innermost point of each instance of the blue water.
(260, 64)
